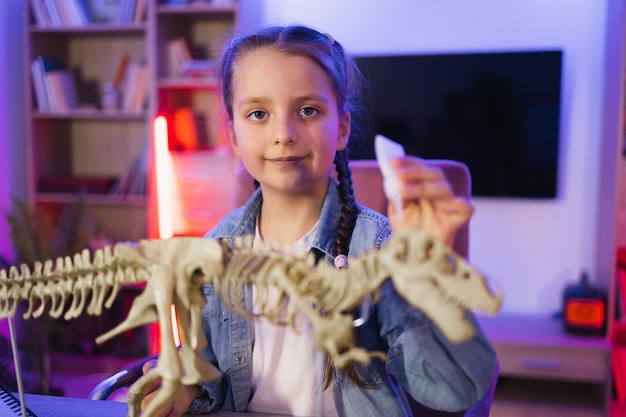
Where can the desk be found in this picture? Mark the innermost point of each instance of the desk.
(545, 372)
(49, 406)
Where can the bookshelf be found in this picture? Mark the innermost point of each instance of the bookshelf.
(202, 162)
(89, 147)
(95, 146)
(85, 149)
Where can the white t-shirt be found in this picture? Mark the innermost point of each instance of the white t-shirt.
(285, 364)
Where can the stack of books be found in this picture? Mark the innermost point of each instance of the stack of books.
(56, 89)
(134, 87)
(183, 62)
(55, 86)
(76, 13)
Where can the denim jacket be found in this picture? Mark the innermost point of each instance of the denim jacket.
(437, 373)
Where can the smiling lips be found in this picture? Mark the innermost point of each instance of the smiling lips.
(286, 161)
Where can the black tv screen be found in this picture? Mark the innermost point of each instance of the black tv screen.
(497, 112)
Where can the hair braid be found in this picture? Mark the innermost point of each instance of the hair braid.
(349, 212)
(348, 209)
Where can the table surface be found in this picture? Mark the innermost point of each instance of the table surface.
(50, 406)
(521, 329)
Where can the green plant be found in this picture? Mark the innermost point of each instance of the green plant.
(37, 237)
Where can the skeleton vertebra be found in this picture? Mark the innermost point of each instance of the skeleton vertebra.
(429, 275)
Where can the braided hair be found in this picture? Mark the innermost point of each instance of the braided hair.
(347, 85)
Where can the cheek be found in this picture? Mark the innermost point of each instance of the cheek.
(333, 139)
(249, 146)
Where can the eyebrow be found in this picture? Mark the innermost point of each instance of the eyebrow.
(313, 97)
(250, 100)
(308, 97)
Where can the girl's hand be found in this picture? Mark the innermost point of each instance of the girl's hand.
(181, 403)
(428, 201)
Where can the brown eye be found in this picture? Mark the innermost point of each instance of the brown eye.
(257, 115)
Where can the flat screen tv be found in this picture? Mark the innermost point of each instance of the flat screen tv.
(497, 112)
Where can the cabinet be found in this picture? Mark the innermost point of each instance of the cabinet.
(87, 148)
(545, 372)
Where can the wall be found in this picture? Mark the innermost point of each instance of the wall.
(530, 248)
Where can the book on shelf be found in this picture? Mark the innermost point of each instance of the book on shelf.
(53, 12)
(55, 86)
(126, 11)
(178, 52)
(141, 92)
(67, 20)
(134, 180)
(40, 66)
(102, 11)
(61, 87)
(40, 90)
(59, 13)
(135, 87)
(199, 68)
(40, 14)
(140, 11)
(76, 11)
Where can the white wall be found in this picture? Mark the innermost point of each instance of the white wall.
(531, 248)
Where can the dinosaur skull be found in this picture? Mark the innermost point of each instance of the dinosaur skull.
(432, 277)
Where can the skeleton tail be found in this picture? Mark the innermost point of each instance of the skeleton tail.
(70, 284)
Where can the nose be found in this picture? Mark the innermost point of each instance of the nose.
(284, 130)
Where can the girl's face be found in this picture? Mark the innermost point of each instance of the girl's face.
(286, 127)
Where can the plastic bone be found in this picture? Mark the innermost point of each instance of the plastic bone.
(429, 275)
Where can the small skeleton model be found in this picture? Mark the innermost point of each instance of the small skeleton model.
(428, 274)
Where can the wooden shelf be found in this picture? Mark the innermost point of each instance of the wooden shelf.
(93, 199)
(92, 114)
(92, 29)
(196, 9)
(189, 83)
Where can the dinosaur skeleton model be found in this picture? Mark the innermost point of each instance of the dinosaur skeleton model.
(428, 274)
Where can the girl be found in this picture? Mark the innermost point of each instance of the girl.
(289, 93)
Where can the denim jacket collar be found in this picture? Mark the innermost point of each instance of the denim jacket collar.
(244, 220)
